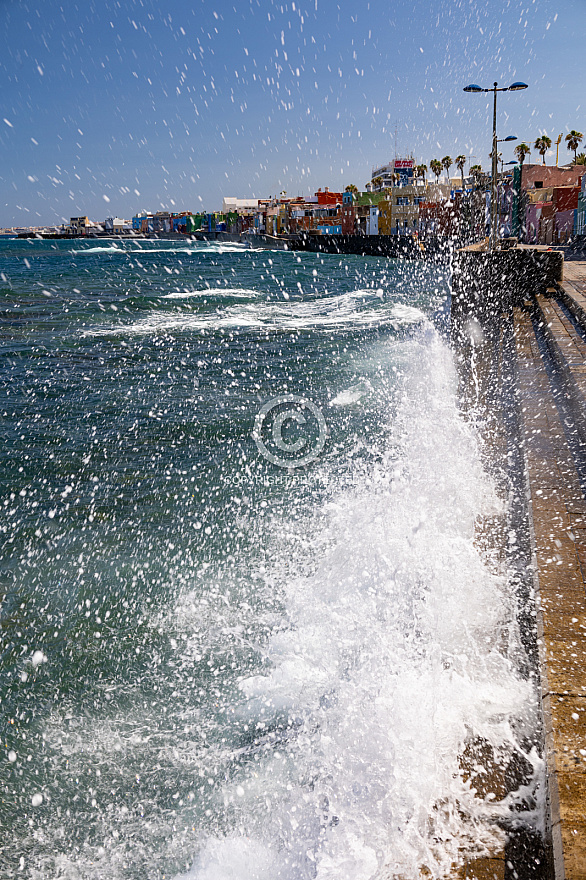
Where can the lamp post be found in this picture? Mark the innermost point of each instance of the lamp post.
(495, 217)
(509, 203)
(511, 137)
(515, 87)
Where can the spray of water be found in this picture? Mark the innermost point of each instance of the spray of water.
(396, 650)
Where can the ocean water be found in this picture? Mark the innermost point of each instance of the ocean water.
(247, 629)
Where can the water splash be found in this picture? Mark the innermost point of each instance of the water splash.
(397, 650)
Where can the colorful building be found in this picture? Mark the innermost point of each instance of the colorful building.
(518, 209)
(550, 214)
(348, 213)
(565, 204)
(397, 173)
(194, 223)
(399, 213)
(506, 205)
(137, 221)
(544, 176)
(179, 221)
(439, 218)
(362, 209)
(79, 225)
(323, 210)
(162, 222)
(404, 170)
(115, 225)
(372, 223)
(208, 222)
(539, 223)
(231, 204)
(232, 221)
(325, 197)
(545, 203)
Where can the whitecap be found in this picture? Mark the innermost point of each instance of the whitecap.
(110, 249)
(228, 292)
(358, 309)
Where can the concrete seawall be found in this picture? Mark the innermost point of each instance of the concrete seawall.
(519, 332)
(404, 246)
(393, 246)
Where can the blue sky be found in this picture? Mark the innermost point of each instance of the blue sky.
(175, 105)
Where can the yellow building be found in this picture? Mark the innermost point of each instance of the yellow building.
(384, 217)
(544, 194)
(399, 212)
(78, 225)
(405, 208)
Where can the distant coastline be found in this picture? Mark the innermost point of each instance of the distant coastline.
(391, 246)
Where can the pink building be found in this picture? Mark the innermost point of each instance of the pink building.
(564, 226)
(532, 222)
(540, 223)
(542, 176)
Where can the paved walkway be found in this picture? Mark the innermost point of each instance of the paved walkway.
(551, 355)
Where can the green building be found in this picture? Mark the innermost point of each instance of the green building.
(580, 223)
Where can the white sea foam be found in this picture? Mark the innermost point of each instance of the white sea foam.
(360, 308)
(104, 249)
(131, 248)
(215, 292)
(397, 651)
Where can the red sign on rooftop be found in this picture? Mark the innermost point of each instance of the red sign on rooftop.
(404, 163)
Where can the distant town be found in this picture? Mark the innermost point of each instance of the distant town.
(537, 203)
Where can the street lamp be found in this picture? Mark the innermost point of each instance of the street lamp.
(515, 87)
(511, 137)
(506, 203)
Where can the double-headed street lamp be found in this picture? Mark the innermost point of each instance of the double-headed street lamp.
(510, 137)
(515, 87)
(496, 217)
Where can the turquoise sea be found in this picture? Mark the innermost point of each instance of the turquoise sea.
(245, 624)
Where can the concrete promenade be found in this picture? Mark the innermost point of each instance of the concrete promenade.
(550, 335)
(519, 326)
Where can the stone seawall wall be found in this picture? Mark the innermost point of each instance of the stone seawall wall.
(393, 246)
(519, 337)
(364, 245)
(487, 284)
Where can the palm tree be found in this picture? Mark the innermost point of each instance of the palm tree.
(521, 151)
(581, 159)
(476, 172)
(447, 163)
(421, 171)
(542, 145)
(377, 181)
(436, 168)
(573, 139)
(351, 188)
(460, 162)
